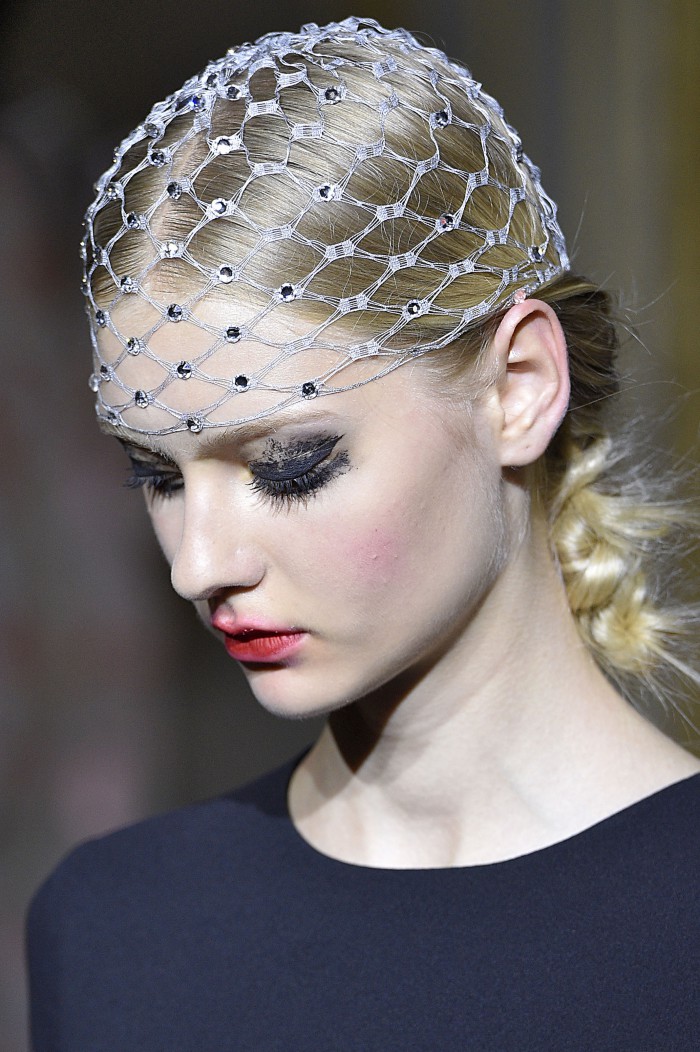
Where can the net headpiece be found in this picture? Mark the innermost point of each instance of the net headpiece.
(343, 190)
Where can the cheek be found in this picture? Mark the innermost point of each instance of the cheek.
(377, 555)
(362, 555)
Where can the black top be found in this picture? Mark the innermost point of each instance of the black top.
(217, 928)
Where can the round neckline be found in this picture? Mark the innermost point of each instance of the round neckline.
(564, 845)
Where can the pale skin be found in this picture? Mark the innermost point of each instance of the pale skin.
(467, 722)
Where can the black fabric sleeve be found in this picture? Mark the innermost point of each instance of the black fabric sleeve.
(44, 967)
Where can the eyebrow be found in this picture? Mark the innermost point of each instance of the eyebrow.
(237, 434)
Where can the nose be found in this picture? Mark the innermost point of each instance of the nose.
(217, 548)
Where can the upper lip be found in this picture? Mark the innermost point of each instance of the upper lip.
(227, 622)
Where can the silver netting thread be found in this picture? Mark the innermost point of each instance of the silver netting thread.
(293, 196)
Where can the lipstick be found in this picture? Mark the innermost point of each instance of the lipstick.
(257, 643)
(263, 647)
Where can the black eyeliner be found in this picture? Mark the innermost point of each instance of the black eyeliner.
(287, 462)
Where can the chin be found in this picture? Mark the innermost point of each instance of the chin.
(290, 694)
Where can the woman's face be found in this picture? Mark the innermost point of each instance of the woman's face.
(338, 543)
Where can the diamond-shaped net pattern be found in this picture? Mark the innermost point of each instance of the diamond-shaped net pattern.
(343, 190)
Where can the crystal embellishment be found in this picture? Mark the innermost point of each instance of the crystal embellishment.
(171, 249)
(226, 274)
(288, 292)
(127, 284)
(194, 424)
(241, 383)
(332, 95)
(445, 222)
(141, 399)
(158, 158)
(226, 144)
(175, 312)
(309, 390)
(174, 191)
(441, 118)
(100, 318)
(134, 345)
(233, 334)
(184, 370)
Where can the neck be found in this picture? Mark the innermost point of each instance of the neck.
(509, 741)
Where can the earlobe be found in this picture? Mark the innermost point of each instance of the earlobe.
(533, 380)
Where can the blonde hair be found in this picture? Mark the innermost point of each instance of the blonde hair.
(604, 525)
(618, 529)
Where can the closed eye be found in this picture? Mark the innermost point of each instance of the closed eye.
(157, 476)
(290, 473)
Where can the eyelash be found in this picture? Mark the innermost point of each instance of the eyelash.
(164, 483)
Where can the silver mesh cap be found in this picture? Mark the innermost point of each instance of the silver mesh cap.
(307, 214)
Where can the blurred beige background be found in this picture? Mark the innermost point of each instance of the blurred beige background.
(113, 704)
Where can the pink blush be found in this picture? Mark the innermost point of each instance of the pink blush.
(374, 554)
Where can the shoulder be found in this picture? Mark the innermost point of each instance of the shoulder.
(225, 839)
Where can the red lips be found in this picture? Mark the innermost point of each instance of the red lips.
(257, 642)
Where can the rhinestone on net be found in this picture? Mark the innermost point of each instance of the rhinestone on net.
(288, 292)
(233, 334)
(175, 312)
(171, 249)
(134, 346)
(184, 370)
(226, 144)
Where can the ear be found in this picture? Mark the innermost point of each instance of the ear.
(532, 385)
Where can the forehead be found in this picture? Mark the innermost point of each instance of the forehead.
(406, 404)
(154, 376)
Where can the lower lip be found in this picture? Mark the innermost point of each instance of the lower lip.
(264, 649)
